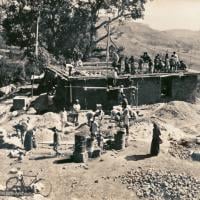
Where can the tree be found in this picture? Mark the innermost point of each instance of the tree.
(64, 25)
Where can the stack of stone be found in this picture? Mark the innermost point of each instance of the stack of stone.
(120, 139)
(80, 154)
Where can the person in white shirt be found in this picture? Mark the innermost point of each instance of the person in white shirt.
(94, 129)
(63, 116)
(99, 112)
(76, 110)
(176, 59)
(125, 117)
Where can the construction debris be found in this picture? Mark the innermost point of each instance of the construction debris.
(159, 184)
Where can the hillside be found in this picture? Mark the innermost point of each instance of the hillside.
(137, 38)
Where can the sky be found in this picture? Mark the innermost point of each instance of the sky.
(172, 14)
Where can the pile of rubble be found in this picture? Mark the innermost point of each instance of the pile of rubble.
(152, 184)
(183, 149)
(179, 151)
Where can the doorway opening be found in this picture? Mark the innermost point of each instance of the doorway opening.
(166, 87)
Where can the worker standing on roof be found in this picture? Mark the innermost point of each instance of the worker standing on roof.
(172, 63)
(176, 58)
(127, 66)
(147, 60)
(182, 66)
(167, 63)
(132, 64)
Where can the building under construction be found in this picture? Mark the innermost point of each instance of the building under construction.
(99, 89)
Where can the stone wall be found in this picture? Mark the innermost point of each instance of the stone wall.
(149, 91)
(184, 87)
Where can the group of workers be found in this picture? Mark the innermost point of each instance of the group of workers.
(26, 134)
(94, 121)
(145, 64)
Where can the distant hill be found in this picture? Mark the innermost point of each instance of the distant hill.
(137, 38)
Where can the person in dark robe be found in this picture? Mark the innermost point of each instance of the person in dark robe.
(28, 140)
(132, 64)
(140, 64)
(156, 141)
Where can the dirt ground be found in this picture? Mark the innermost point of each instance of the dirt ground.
(97, 179)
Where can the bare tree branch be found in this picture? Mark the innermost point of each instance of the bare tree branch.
(112, 20)
(103, 37)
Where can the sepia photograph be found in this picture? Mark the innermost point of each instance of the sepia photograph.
(99, 99)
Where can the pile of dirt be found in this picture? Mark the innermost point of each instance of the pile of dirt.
(152, 184)
(44, 135)
(48, 120)
(178, 110)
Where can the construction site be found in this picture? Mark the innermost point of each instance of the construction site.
(81, 121)
(112, 170)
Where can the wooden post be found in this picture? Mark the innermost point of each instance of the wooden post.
(108, 44)
(85, 91)
(36, 47)
(32, 86)
(37, 33)
(137, 95)
(70, 85)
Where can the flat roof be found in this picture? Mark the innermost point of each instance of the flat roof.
(64, 74)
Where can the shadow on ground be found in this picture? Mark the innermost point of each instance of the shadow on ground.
(42, 157)
(137, 157)
(63, 161)
(4, 145)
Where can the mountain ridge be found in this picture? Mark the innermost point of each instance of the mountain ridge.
(137, 38)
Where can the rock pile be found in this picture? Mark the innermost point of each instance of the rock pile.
(179, 151)
(159, 185)
(183, 149)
